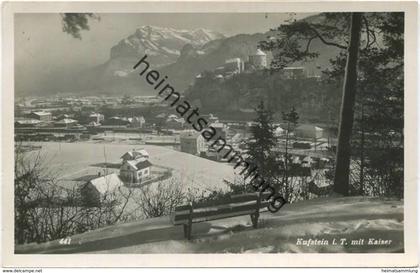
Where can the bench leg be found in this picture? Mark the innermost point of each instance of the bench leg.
(254, 220)
(187, 231)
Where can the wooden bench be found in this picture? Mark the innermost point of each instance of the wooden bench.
(237, 205)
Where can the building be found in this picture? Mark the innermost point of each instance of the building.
(107, 183)
(219, 77)
(66, 123)
(137, 122)
(221, 130)
(93, 124)
(258, 60)
(192, 142)
(116, 121)
(135, 154)
(294, 72)
(219, 70)
(173, 122)
(279, 131)
(27, 123)
(135, 171)
(307, 162)
(249, 125)
(79, 193)
(301, 145)
(233, 66)
(42, 116)
(62, 116)
(308, 131)
(96, 117)
(90, 191)
(212, 118)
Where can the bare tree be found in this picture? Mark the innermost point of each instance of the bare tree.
(45, 210)
(161, 198)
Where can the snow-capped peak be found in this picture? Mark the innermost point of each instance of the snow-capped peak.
(164, 42)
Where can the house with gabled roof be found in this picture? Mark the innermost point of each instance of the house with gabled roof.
(88, 191)
(191, 142)
(41, 115)
(135, 171)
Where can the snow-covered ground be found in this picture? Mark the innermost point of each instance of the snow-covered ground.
(295, 228)
(73, 160)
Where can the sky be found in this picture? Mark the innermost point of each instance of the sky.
(41, 47)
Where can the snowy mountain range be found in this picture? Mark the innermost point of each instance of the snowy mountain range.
(162, 45)
(179, 54)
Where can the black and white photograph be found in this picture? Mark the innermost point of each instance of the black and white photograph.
(209, 132)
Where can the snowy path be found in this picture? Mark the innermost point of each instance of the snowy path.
(352, 218)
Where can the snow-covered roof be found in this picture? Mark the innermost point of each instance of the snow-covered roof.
(251, 123)
(189, 134)
(95, 115)
(28, 121)
(93, 123)
(309, 127)
(233, 60)
(141, 118)
(66, 121)
(296, 160)
(307, 159)
(176, 119)
(217, 125)
(41, 113)
(139, 164)
(141, 152)
(259, 52)
(294, 68)
(137, 153)
(107, 183)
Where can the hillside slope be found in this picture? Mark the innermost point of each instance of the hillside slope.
(353, 218)
(179, 54)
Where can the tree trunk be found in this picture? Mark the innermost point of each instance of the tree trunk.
(362, 153)
(342, 168)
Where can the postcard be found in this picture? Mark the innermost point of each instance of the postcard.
(209, 134)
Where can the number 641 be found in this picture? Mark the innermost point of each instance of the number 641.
(65, 241)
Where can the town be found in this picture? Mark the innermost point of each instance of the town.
(232, 140)
(134, 132)
(120, 119)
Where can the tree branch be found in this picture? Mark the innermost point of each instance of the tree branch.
(309, 43)
(325, 41)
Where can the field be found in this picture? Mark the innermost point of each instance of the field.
(73, 160)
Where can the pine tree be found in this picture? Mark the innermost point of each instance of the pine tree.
(261, 146)
(291, 118)
(377, 137)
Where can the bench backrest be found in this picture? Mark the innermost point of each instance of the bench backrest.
(237, 205)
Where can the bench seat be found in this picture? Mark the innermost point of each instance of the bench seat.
(236, 205)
